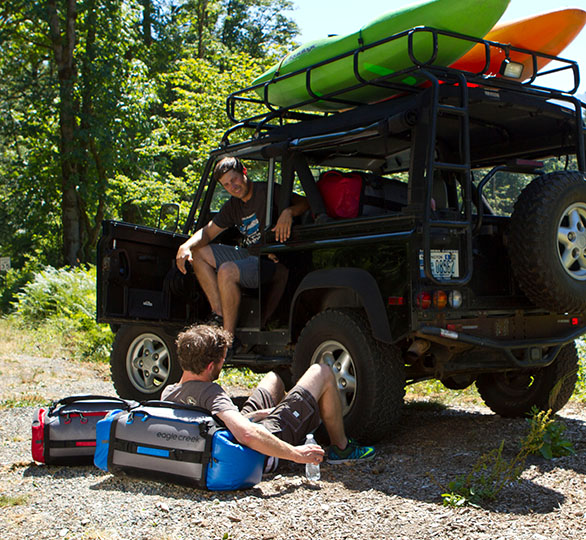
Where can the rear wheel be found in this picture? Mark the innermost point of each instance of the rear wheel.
(369, 374)
(515, 393)
(143, 362)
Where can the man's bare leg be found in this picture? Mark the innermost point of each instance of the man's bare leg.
(229, 288)
(320, 382)
(204, 266)
(273, 383)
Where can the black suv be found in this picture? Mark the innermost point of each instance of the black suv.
(431, 278)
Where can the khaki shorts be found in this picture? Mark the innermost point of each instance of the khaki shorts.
(292, 419)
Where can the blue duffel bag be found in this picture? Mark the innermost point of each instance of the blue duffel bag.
(168, 441)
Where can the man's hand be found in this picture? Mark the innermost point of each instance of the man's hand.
(309, 453)
(183, 256)
(282, 229)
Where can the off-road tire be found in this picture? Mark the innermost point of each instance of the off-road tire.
(552, 273)
(513, 394)
(143, 361)
(372, 371)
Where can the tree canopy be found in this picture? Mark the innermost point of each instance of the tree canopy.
(110, 107)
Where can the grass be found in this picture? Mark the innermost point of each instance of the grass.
(16, 339)
(27, 400)
(243, 378)
(12, 500)
(434, 395)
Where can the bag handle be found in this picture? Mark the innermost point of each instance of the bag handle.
(182, 407)
(174, 405)
(86, 397)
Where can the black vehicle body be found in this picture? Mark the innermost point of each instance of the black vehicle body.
(371, 295)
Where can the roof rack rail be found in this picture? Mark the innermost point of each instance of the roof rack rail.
(250, 107)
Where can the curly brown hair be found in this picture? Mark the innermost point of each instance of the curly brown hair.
(201, 344)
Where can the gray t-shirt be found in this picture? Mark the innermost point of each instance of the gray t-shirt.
(208, 395)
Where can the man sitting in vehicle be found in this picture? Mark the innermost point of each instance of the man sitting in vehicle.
(270, 422)
(221, 269)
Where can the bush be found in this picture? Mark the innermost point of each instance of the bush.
(65, 300)
(492, 472)
(580, 392)
(13, 281)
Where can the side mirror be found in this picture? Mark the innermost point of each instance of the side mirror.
(168, 217)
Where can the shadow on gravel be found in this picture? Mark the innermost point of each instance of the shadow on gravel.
(430, 448)
(35, 470)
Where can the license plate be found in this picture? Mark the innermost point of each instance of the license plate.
(444, 263)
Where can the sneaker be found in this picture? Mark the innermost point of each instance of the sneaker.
(271, 464)
(234, 348)
(352, 452)
(215, 320)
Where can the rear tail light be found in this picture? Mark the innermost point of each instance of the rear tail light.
(455, 299)
(424, 300)
(439, 299)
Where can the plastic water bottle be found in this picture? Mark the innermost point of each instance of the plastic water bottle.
(311, 469)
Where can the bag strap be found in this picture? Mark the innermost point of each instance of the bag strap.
(190, 456)
(87, 397)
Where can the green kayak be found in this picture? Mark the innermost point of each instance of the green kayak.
(471, 17)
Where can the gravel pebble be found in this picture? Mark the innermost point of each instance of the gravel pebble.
(392, 496)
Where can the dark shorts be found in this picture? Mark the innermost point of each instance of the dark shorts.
(293, 418)
(247, 264)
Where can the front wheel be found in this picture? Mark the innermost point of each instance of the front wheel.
(515, 393)
(369, 374)
(143, 362)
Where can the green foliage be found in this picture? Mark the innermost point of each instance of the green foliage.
(504, 188)
(241, 377)
(492, 471)
(65, 300)
(551, 435)
(580, 391)
(30, 400)
(123, 121)
(12, 500)
(12, 281)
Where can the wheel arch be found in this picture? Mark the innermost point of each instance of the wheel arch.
(337, 288)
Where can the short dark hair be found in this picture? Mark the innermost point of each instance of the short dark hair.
(226, 164)
(201, 344)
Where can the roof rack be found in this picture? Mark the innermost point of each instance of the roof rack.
(246, 109)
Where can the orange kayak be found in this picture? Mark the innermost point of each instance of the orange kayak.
(549, 33)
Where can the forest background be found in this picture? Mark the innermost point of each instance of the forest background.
(108, 110)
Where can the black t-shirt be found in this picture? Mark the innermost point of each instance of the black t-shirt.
(248, 216)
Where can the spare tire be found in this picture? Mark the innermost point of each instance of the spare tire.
(547, 242)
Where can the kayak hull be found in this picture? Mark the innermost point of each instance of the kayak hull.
(460, 16)
(549, 33)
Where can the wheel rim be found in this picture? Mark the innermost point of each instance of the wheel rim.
(148, 363)
(335, 355)
(572, 241)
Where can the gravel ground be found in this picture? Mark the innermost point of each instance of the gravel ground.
(392, 497)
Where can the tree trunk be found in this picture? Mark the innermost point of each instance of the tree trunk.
(63, 44)
(147, 22)
(202, 22)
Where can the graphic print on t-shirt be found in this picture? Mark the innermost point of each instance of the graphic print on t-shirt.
(250, 229)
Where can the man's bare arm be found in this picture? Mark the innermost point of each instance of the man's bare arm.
(258, 438)
(200, 238)
(282, 229)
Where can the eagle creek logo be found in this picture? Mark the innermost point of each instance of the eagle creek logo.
(176, 437)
